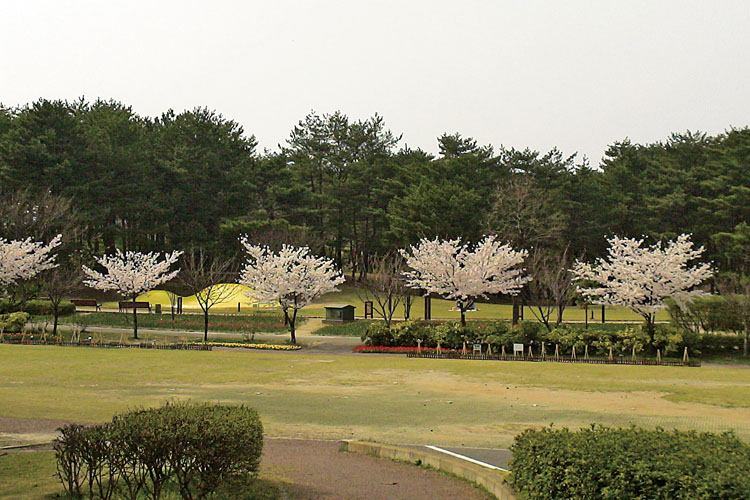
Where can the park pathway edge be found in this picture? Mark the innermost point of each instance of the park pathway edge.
(493, 481)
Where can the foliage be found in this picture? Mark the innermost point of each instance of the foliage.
(621, 339)
(709, 314)
(643, 278)
(624, 464)
(246, 323)
(24, 259)
(194, 447)
(456, 272)
(343, 187)
(293, 277)
(131, 274)
(13, 322)
(37, 307)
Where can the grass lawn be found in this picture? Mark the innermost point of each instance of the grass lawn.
(240, 323)
(386, 398)
(353, 329)
(441, 309)
(32, 476)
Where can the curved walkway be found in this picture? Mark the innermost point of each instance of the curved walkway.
(317, 470)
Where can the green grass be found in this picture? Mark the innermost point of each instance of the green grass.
(32, 476)
(441, 309)
(352, 329)
(392, 399)
(249, 323)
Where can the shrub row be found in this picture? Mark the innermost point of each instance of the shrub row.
(190, 449)
(708, 314)
(627, 464)
(13, 322)
(37, 307)
(668, 339)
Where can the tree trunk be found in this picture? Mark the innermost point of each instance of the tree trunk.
(205, 325)
(560, 310)
(650, 327)
(292, 322)
(56, 313)
(135, 319)
(462, 307)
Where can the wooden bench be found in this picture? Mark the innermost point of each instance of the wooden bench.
(86, 303)
(134, 305)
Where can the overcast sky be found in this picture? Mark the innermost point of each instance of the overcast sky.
(575, 74)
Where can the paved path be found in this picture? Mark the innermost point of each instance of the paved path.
(317, 470)
(495, 457)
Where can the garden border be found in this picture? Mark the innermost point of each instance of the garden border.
(552, 359)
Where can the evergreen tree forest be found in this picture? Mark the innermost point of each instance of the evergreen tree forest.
(349, 189)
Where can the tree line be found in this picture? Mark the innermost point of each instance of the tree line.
(349, 189)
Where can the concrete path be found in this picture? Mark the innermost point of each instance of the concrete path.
(495, 457)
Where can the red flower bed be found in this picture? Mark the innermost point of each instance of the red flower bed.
(396, 350)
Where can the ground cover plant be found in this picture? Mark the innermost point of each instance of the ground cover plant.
(301, 394)
(627, 464)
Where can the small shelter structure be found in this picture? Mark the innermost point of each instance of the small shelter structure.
(340, 312)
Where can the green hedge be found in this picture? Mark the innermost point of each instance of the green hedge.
(13, 322)
(184, 449)
(669, 339)
(37, 307)
(628, 464)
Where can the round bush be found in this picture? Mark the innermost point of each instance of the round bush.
(188, 448)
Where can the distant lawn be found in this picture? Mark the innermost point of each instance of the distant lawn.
(349, 329)
(245, 323)
(441, 309)
(391, 399)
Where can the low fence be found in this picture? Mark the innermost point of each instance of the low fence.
(116, 345)
(551, 359)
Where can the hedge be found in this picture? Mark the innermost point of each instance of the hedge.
(38, 307)
(187, 449)
(13, 322)
(602, 463)
(669, 339)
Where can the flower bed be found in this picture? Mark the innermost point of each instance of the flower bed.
(270, 347)
(398, 350)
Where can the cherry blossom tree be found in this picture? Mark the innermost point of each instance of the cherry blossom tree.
(24, 259)
(131, 274)
(293, 277)
(641, 278)
(457, 272)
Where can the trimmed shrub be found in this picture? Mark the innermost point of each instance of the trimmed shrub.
(37, 307)
(187, 448)
(626, 464)
(13, 322)
(708, 314)
(44, 308)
